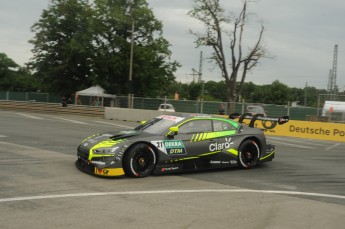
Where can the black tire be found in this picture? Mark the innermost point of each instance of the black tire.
(139, 161)
(248, 154)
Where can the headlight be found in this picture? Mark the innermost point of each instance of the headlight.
(105, 150)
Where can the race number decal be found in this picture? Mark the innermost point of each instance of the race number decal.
(170, 147)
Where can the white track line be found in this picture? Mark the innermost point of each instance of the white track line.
(71, 120)
(113, 124)
(301, 140)
(294, 145)
(170, 192)
(29, 116)
(332, 146)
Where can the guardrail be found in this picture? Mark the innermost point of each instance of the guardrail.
(51, 108)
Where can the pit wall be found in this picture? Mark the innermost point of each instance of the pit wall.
(301, 129)
(135, 115)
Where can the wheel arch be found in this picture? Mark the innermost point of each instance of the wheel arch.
(155, 150)
(256, 140)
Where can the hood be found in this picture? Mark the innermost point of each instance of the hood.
(122, 134)
(110, 138)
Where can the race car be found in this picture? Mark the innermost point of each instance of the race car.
(177, 143)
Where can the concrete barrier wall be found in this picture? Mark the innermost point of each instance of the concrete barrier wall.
(125, 114)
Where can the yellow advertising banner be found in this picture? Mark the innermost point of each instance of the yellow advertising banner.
(304, 129)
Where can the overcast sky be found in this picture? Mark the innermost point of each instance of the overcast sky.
(300, 34)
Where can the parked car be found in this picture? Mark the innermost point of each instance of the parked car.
(166, 107)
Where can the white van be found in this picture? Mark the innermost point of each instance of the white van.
(333, 107)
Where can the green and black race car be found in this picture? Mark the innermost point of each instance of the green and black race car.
(172, 143)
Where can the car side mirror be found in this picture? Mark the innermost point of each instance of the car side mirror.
(173, 131)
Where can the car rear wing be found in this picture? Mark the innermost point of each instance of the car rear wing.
(281, 120)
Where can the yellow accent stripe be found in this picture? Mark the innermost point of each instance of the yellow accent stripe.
(263, 158)
(206, 154)
(202, 137)
(192, 138)
(233, 151)
(187, 158)
(89, 138)
(110, 172)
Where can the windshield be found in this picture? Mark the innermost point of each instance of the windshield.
(159, 125)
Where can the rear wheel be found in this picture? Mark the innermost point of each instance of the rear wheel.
(248, 154)
(139, 161)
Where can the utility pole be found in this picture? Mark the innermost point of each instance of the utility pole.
(200, 68)
(305, 94)
(130, 83)
(199, 74)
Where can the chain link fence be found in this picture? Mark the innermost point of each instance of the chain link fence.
(188, 106)
(29, 96)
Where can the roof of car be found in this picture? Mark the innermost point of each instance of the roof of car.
(183, 116)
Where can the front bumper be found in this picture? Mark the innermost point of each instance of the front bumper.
(85, 166)
(101, 166)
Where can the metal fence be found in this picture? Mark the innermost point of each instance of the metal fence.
(29, 96)
(187, 106)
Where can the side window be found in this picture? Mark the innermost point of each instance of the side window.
(196, 126)
(222, 126)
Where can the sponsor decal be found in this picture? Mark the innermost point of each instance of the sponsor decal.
(316, 131)
(232, 162)
(306, 129)
(169, 169)
(220, 146)
(170, 147)
(97, 162)
(109, 172)
(171, 118)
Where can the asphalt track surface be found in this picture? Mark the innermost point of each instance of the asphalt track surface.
(304, 187)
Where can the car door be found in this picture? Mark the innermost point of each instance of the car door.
(193, 134)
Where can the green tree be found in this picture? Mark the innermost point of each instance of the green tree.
(62, 46)
(215, 91)
(7, 72)
(177, 87)
(248, 92)
(15, 78)
(112, 26)
(78, 43)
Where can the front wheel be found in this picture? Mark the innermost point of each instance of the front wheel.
(139, 161)
(248, 154)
